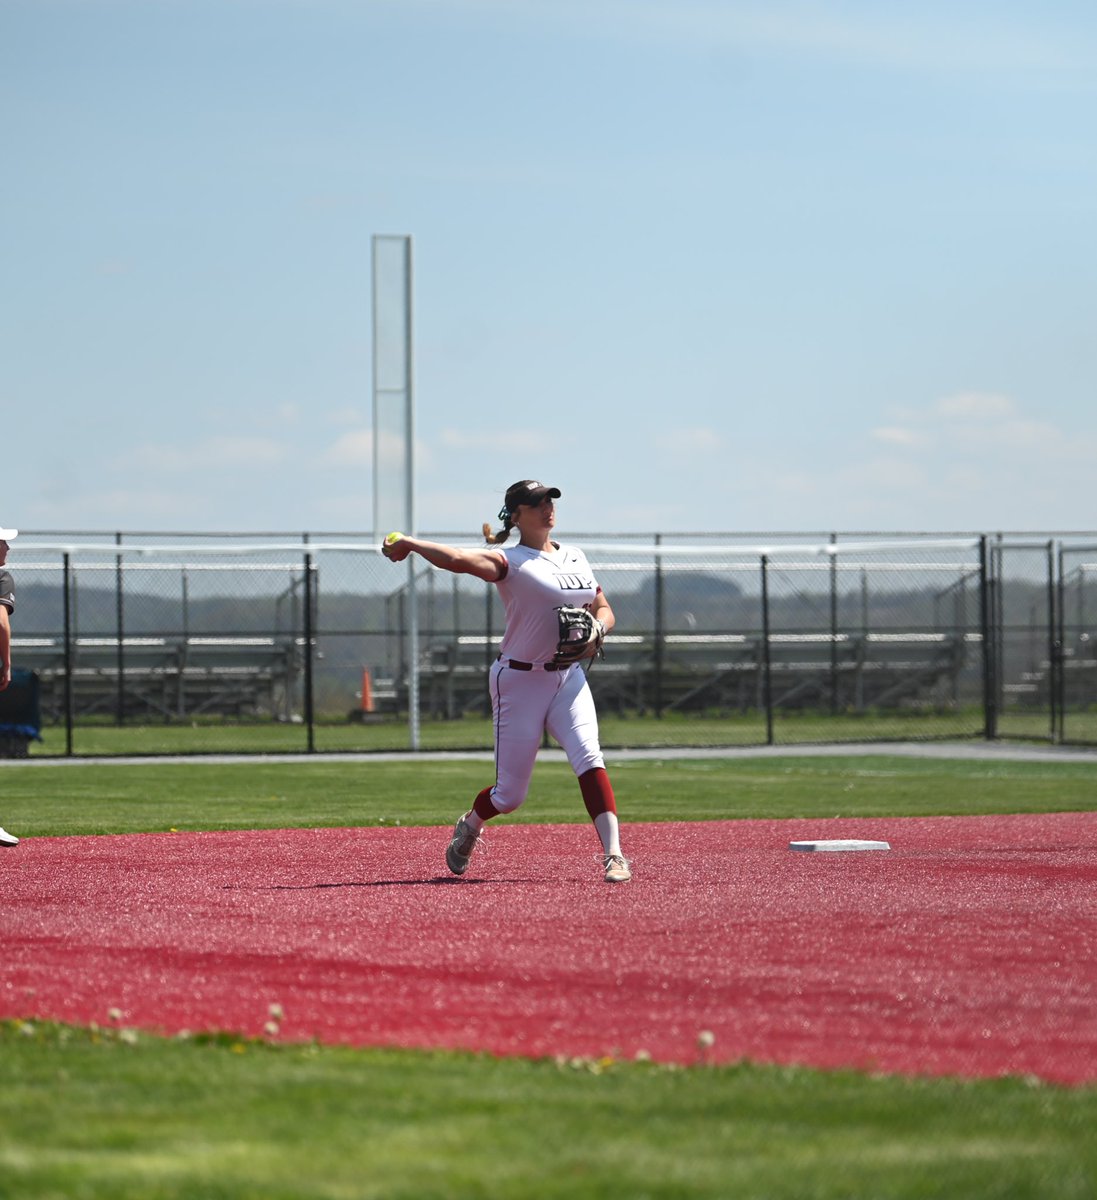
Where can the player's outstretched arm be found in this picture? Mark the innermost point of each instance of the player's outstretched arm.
(484, 564)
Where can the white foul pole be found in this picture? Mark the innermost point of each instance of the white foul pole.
(394, 425)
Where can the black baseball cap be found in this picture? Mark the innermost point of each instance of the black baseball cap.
(526, 491)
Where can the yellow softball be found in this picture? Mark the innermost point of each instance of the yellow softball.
(393, 538)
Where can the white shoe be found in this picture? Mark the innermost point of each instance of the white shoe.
(461, 846)
(617, 868)
(6, 839)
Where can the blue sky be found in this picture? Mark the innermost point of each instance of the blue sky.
(704, 266)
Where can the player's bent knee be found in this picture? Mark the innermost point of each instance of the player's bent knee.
(587, 762)
(505, 803)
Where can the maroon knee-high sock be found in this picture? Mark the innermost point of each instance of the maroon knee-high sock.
(483, 807)
(597, 792)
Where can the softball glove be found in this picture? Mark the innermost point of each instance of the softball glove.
(580, 634)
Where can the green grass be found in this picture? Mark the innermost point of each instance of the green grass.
(90, 798)
(104, 1113)
(113, 1115)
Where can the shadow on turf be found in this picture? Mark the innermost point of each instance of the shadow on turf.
(438, 880)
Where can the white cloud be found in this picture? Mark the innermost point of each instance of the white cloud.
(355, 449)
(1037, 437)
(505, 441)
(237, 453)
(351, 449)
(898, 435)
(964, 478)
(127, 508)
(1009, 48)
(982, 422)
(987, 422)
(348, 415)
(886, 475)
(975, 459)
(976, 406)
(691, 442)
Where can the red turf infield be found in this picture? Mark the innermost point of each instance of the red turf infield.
(969, 948)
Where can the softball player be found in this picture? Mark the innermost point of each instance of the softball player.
(529, 691)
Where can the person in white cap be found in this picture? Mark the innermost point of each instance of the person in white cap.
(530, 691)
(7, 607)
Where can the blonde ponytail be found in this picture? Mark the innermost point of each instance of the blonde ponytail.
(496, 539)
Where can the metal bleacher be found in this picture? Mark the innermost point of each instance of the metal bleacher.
(728, 671)
(170, 678)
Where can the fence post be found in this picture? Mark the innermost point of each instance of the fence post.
(66, 608)
(767, 688)
(1056, 672)
(833, 628)
(862, 651)
(184, 656)
(660, 631)
(414, 715)
(986, 626)
(120, 627)
(307, 631)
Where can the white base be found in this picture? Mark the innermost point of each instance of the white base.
(840, 844)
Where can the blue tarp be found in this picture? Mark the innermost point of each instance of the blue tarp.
(19, 713)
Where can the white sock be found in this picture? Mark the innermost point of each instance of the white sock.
(609, 832)
(474, 821)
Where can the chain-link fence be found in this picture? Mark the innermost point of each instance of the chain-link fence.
(142, 644)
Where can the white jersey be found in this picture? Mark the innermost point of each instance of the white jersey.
(537, 582)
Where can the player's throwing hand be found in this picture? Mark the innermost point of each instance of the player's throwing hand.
(396, 547)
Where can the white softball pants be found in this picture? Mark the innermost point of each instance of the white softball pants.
(525, 704)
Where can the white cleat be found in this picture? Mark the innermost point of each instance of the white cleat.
(617, 868)
(460, 849)
(6, 839)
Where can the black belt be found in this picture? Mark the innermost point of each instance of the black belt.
(518, 665)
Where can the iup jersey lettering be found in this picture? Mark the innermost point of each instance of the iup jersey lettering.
(535, 584)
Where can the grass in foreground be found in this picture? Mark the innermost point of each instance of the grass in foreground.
(92, 798)
(116, 1115)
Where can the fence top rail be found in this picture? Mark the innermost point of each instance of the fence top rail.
(125, 551)
(708, 549)
(742, 639)
(823, 550)
(248, 643)
(752, 567)
(129, 565)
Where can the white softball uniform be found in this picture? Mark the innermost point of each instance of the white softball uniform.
(526, 698)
